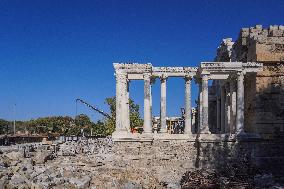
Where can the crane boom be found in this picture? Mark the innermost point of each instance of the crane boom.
(92, 107)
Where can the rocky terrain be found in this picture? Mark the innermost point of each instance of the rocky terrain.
(96, 163)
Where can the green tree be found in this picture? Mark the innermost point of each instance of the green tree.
(135, 119)
(68, 126)
(82, 121)
(55, 125)
(4, 125)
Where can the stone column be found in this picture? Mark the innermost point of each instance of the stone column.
(227, 108)
(187, 115)
(163, 109)
(240, 104)
(151, 99)
(233, 113)
(151, 102)
(122, 121)
(193, 119)
(218, 104)
(205, 125)
(222, 109)
(147, 104)
(200, 109)
(127, 103)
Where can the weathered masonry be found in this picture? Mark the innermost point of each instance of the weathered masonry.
(264, 90)
(239, 117)
(230, 74)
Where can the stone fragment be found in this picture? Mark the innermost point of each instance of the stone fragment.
(276, 33)
(81, 183)
(173, 186)
(42, 156)
(14, 155)
(273, 27)
(258, 26)
(2, 184)
(281, 27)
(131, 185)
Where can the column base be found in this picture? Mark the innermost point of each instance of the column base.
(167, 136)
(205, 131)
(147, 132)
(163, 131)
(187, 132)
(242, 136)
(215, 137)
(122, 135)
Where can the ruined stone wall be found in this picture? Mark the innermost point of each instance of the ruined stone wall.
(101, 163)
(264, 108)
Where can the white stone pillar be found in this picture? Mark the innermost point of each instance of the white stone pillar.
(200, 108)
(205, 125)
(227, 108)
(233, 112)
(127, 104)
(163, 109)
(151, 99)
(222, 109)
(240, 104)
(187, 115)
(218, 113)
(147, 104)
(122, 121)
(151, 102)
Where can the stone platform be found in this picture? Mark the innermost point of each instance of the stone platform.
(137, 137)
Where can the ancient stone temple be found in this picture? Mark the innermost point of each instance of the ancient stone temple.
(238, 116)
(245, 99)
(229, 74)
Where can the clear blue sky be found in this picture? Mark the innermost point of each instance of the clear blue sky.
(52, 52)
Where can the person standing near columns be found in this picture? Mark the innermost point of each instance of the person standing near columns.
(187, 121)
(163, 109)
(205, 125)
(147, 104)
(240, 105)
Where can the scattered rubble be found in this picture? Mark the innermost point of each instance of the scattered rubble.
(100, 163)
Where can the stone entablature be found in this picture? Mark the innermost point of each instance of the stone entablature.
(174, 71)
(230, 66)
(133, 67)
(232, 74)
